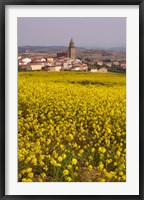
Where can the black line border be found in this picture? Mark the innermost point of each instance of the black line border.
(3, 3)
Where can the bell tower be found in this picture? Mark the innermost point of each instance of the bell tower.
(71, 49)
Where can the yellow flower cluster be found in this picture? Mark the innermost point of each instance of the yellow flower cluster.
(71, 125)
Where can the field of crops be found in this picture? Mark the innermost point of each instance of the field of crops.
(71, 127)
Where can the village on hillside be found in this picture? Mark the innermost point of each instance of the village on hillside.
(67, 60)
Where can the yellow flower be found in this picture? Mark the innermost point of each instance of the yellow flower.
(58, 165)
(30, 175)
(120, 173)
(48, 156)
(118, 153)
(48, 141)
(45, 168)
(69, 179)
(75, 174)
(55, 154)
(81, 151)
(108, 130)
(43, 175)
(90, 167)
(90, 158)
(29, 170)
(23, 171)
(65, 172)
(28, 159)
(19, 175)
(93, 150)
(101, 180)
(41, 163)
(70, 137)
(102, 149)
(38, 143)
(101, 166)
(124, 177)
(64, 156)
(53, 162)
(69, 166)
(59, 131)
(86, 163)
(74, 161)
(75, 145)
(34, 161)
(61, 146)
(60, 158)
(29, 180)
(24, 180)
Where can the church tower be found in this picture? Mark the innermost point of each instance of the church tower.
(71, 49)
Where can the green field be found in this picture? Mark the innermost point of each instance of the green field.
(71, 127)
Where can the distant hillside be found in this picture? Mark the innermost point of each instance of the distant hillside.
(22, 49)
(119, 49)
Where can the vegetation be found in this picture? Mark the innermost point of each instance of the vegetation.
(71, 127)
(116, 69)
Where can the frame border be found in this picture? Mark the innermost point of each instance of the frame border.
(3, 3)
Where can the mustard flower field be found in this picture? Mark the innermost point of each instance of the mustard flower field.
(71, 127)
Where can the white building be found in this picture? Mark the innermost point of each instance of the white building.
(26, 60)
(93, 70)
(55, 68)
(43, 59)
(102, 70)
(50, 59)
(116, 63)
(21, 63)
(58, 63)
(34, 66)
(19, 57)
(76, 68)
(108, 64)
(123, 65)
(100, 63)
(66, 65)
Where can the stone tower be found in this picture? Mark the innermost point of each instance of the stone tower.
(71, 49)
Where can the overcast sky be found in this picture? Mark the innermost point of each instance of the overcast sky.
(86, 32)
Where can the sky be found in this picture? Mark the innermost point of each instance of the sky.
(95, 32)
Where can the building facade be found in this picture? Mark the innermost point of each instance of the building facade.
(62, 54)
(71, 49)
